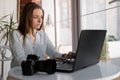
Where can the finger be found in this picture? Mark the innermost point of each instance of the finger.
(59, 59)
(71, 55)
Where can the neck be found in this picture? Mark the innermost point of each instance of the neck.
(33, 33)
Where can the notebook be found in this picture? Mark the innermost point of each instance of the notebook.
(88, 51)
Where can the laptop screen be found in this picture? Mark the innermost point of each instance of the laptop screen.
(89, 48)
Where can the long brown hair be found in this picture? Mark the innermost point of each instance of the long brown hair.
(26, 19)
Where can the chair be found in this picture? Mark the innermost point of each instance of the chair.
(4, 56)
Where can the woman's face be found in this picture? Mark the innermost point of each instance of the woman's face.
(37, 18)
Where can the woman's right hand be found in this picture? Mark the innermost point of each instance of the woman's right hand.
(59, 59)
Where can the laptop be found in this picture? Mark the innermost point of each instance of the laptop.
(88, 51)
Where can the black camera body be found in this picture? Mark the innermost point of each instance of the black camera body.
(33, 65)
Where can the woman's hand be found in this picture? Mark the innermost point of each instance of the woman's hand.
(70, 55)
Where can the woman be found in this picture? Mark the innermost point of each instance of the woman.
(30, 39)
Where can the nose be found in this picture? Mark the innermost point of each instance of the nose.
(39, 20)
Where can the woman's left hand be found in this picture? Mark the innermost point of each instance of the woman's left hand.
(70, 55)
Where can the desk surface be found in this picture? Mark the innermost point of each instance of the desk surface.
(100, 71)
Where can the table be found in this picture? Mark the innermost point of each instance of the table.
(99, 71)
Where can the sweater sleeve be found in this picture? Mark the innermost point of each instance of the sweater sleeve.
(50, 49)
(17, 50)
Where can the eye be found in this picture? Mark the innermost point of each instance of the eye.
(35, 17)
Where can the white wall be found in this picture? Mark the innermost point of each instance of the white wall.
(8, 7)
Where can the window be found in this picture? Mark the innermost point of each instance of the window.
(93, 14)
(58, 13)
(103, 14)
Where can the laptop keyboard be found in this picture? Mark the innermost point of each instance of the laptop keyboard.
(65, 65)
